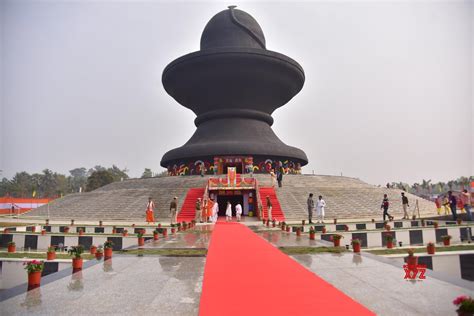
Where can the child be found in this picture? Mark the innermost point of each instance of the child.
(238, 211)
(228, 212)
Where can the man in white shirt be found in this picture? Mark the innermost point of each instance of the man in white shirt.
(238, 211)
(215, 211)
(320, 209)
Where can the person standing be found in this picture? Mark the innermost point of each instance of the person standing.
(385, 206)
(452, 203)
(215, 212)
(310, 203)
(228, 212)
(198, 210)
(269, 208)
(405, 206)
(466, 202)
(238, 212)
(174, 210)
(273, 177)
(203, 169)
(320, 208)
(210, 204)
(280, 176)
(447, 210)
(438, 205)
(150, 218)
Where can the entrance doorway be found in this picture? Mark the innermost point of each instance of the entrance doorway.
(233, 199)
(238, 167)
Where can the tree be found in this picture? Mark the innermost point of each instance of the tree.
(48, 184)
(21, 184)
(98, 179)
(117, 173)
(147, 173)
(77, 179)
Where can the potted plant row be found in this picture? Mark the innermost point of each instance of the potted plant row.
(141, 239)
(430, 248)
(11, 246)
(356, 245)
(465, 305)
(312, 233)
(108, 247)
(390, 241)
(156, 234)
(337, 240)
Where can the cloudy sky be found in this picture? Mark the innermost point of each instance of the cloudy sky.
(388, 93)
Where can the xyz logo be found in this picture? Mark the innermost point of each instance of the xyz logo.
(414, 271)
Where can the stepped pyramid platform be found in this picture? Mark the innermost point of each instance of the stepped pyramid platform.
(346, 198)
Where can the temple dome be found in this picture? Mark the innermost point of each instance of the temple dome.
(232, 28)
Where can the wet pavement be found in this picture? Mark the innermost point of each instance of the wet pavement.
(381, 287)
(280, 238)
(149, 285)
(198, 237)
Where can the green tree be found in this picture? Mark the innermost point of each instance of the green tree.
(98, 179)
(147, 173)
(77, 179)
(117, 173)
(21, 185)
(48, 185)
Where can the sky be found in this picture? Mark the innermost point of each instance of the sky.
(388, 93)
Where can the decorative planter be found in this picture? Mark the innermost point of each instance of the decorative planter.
(33, 229)
(93, 250)
(11, 248)
(108, 252)
(288, 228)
(303, 222)
(155, 236)
(43, 232)
(50, 255)
(435, 225)
(141, 241)
(447, 242)
(298, 232)
(430, 250)
(337, 242)
(34, 279)
(356, 247)
(125, 234)
(99, 255)
(179, 228)
(412, 261)
(6, 231)
(389, 244)
(81, 233)
(387, 228)
(323, 230)
(312, 236)
(159, 225)
(173, 230)
(114, 231)
(47, 222)
(165, 232)
(77, 263)
(66, 230)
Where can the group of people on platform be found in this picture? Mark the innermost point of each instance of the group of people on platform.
(451, 204)
(277, 176)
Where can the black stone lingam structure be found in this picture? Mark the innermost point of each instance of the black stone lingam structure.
(233, 85)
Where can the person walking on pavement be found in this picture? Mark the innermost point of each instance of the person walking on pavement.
(405, 206)
(452, 203)
(385, 206)
(174, 210)
(310, 203)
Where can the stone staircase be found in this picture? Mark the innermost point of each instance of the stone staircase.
(345, 197)
(126, 200)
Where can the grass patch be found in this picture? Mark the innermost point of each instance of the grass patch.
(420, 250)
(311, 250)
(39, 255)
(167, 252)
(7, 224)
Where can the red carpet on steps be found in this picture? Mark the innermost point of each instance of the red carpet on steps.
(188, 211)
(246, 275)
(277, 212)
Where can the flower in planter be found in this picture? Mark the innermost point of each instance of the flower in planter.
(389, 238)
(108, 244)
(140, 234)
(465, 305)
(430, 244)
(33, 266)
(11, 243)
(76, 251)
(51, 249)
(411, 252)
(312, 230)
(446, 237)
(336, 237)
(99, 249)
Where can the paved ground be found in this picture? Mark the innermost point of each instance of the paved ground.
(279, 238)
(199, 237)
(127, 285)
(382, 288)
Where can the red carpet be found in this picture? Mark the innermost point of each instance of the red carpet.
(246, 275)
(188, 212)
(277, 212)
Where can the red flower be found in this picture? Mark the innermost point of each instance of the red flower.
(460, 299)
